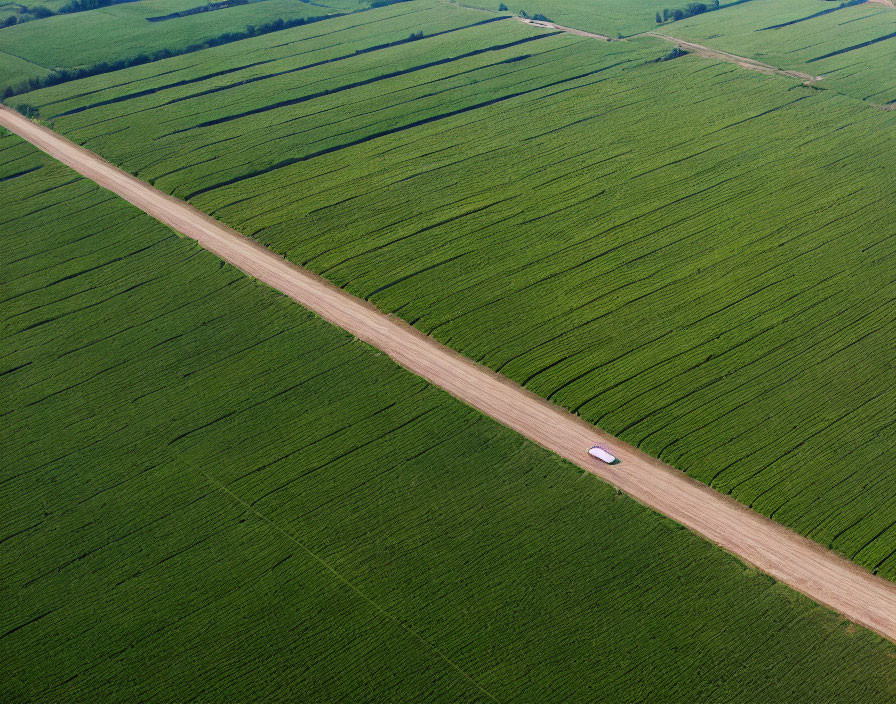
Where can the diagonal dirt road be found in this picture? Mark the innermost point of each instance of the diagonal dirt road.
(742, 61)
(790, 558)
(544, 24)
(698, 49)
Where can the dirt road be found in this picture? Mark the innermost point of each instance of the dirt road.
(698, 49)
(741, 61)
(569, 30)
(790, 558)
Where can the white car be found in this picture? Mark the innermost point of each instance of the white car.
(603, 455)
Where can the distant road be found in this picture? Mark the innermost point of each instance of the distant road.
(698, 49)
(544, 24)
(742, 61)
(790, 558)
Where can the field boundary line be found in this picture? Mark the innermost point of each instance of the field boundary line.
(795, 560)
(338, 575)
(22, 58)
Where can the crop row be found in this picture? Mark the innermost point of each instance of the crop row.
(691, 255)
(325, 100)
(99, 39)
(211, 494)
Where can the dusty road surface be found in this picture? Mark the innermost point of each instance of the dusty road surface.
(741, 61)
(788, 557)
(569, 30)
(698, 49)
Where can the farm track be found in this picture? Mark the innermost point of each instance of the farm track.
(797, 561)
(568, 30)
(698, 49)
(742, 61)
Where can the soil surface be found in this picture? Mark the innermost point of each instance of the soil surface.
(788, 557)
(570, 30)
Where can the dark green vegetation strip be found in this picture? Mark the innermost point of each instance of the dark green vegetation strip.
(852, 47)
(715, 287)
(382, 77)
(262, 77)
(198, 9)
(12, 13)
(820, 13)
(353, 33)
(210, 494)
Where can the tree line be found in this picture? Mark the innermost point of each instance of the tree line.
(689, 10)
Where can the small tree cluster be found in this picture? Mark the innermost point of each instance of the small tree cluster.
(84, 5)
(677, 52)
(39, 12)
(28, 111)
(384, 3)
(690, 10)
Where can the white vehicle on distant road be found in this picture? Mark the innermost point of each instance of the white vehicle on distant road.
(603, 455)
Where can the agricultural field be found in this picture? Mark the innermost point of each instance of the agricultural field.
(211, 494)
(852, 47)
(654, 259)
(14, 69)
(124, 31)
(258, 56)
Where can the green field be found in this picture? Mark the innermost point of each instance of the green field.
(121, 32)
(28, 12)
(211, 494)
(323, 57)
(259, 56)
(14, 69)
(793, 35)
(693, 256)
